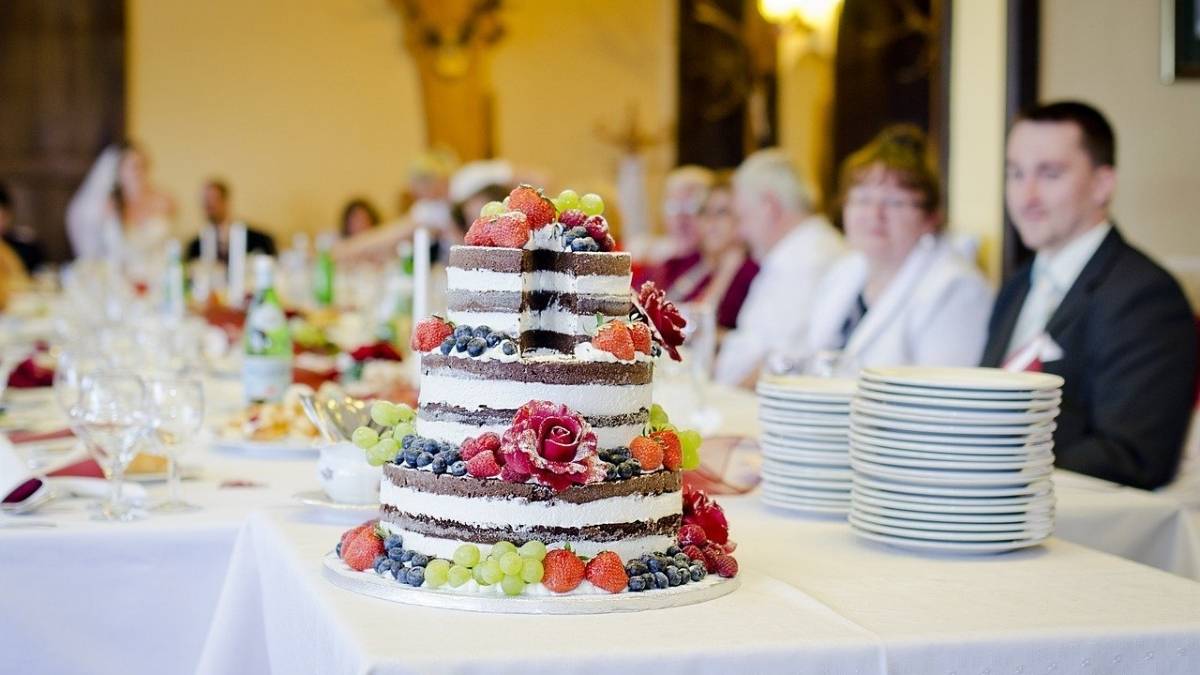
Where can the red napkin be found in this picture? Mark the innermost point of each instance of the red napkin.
(379, 351)
(22, 436)
(84, 468)
(28, 375)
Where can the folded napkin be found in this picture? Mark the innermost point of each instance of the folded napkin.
(28, 374)
(26, 436)
(377, 351)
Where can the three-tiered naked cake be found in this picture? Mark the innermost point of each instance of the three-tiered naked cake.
(535, 427)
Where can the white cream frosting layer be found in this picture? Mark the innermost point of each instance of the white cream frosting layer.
(515, 323)
(460, 279)
(515, 513)
(586, 399)
(455, 432)
(444, 548)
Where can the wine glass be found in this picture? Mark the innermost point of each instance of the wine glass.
(72, 366)
(112, 414)
(176, 407)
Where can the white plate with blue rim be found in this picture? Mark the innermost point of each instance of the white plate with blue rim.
(866, 504)
(959, 548)
(949, 477)
(970, 379)
(860, 438)
(958, 396)
(956, 403)
(952, 435)
(871, 421)
(1034, 532)
(965, 494)
(958, 464)
(944, 415)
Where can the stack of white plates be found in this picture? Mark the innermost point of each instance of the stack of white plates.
(953, 459)
(805, 442)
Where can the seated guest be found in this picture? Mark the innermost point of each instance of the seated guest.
(678, 251)
(723, 276)
(793, 246)
(902, 296)
(467, 188)
(358, 215)
(1119, 328)
(218, 217)
(21, 240)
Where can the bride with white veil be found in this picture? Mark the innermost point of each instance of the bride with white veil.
(119, 214)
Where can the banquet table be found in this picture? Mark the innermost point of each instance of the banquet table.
(238, 587)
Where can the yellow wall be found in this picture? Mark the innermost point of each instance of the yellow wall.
(805, 82)
(1106, 52)
(304, 103)
(976, 176)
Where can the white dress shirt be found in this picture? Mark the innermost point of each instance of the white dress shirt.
(1050, 279)
(776, 313)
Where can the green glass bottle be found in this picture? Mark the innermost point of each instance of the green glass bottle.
(267, 363)
(323, 274)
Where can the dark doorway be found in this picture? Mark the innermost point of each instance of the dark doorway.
(892, 66)
(1021, 91)
(727, 83)
(62, 98)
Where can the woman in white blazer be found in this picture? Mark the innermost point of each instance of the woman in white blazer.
(902, 296)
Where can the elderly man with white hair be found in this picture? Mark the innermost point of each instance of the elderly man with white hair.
(793, 245)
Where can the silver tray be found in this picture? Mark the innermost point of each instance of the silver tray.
(369, 583)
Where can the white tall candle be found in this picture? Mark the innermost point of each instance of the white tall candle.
(202, 276)
(420, 299)
(237, 264)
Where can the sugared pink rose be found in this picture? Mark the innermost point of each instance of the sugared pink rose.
(552, 444)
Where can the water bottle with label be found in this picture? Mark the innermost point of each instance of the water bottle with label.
(267, 366)
(174, 290)
(323, 275)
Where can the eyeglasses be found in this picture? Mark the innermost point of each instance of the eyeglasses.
(887, 203)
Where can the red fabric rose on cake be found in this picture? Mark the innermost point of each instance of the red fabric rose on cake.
(664, 318)
(552, 444)
(699, 509)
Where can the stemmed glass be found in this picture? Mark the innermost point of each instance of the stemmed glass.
(111, 412)
(176, 406)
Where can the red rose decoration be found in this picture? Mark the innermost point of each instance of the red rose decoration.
(552, 444)
(698, 509)
(664, 318)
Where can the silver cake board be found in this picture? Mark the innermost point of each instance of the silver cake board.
(386, 588)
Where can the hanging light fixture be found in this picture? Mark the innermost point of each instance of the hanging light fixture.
(808, 15)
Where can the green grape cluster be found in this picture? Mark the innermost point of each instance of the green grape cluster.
(396, 422)
(591, 203)
(506, 564)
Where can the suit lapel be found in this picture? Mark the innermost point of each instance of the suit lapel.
(1075, 301)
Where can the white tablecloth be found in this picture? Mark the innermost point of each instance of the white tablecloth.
(814, 600)
(236, 588)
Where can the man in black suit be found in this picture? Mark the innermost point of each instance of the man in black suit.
(215, 200)
(1125, 329)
